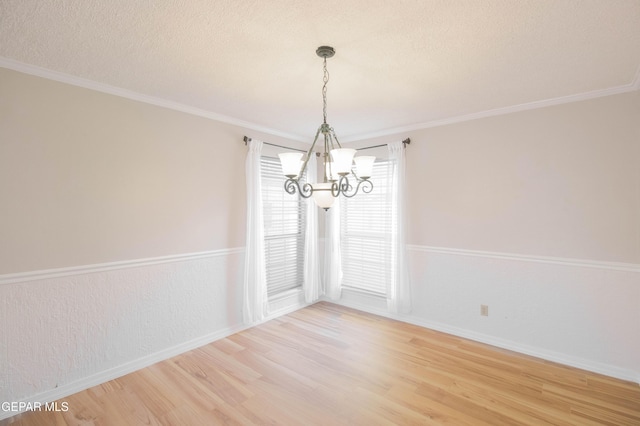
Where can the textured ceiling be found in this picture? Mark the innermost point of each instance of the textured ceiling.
(399, 64)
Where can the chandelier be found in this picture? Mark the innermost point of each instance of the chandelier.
(337, 161)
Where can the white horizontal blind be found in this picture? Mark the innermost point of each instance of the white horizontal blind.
(284, 225)
(366, 224)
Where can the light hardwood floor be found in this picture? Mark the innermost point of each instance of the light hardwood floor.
(330, 365)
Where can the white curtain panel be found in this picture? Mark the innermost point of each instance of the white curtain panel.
(311, 284)
(254, 306)
(332, 255)
(399, 288)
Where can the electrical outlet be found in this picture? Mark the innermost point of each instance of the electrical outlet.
(484, 310)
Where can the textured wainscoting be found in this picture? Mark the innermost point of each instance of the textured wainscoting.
(64, 330)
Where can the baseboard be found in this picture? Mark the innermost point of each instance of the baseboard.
(583, 364)
(595, 367)
(124, 369)
(286, 303)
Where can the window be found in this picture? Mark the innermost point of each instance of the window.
(367, 224)
(284, 226)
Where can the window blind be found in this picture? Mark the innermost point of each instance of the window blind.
(284, 225)
(366, 224)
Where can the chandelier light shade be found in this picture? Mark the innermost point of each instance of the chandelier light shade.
(291, 164)
(322, 195)
(339, 175)
(364, 166)
(342, 160)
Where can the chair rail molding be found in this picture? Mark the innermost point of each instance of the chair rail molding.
(43, 274)
(585, 263)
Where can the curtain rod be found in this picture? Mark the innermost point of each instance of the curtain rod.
(248, 139)
(405, 142)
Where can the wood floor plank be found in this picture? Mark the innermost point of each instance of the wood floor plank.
(330, 365)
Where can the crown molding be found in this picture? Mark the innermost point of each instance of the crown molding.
(633, 86)
(129, 94)
(135, 96)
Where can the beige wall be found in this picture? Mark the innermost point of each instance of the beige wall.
(87, 178)
(561, 181)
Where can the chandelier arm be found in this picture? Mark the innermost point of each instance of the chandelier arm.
(325, 157)
(348, 190)
(342, 186)
(356, 176)
(336, 138)
(329, 138)
(335, 189)
(367, 186)
(291, 186)
(307, 190)
(306, 160)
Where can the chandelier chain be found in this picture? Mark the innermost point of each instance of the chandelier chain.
(325, 79)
